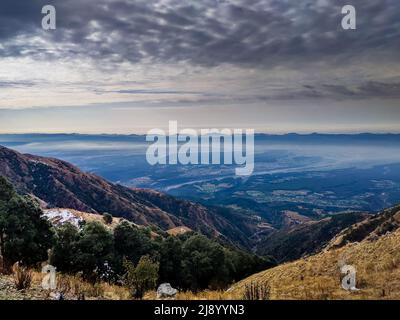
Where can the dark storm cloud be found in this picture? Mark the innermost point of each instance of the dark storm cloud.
(245, 33)
(17, 16)
(208, 32)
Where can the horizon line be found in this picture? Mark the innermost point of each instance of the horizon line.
(256, 133)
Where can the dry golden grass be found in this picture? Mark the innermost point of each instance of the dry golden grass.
(318, 277)
(94, 217)
(91, 217)
(178, 231)
(205, 295)
(73, 287)
(22, 277)
(188, 295)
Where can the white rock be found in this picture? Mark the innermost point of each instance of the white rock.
(166, 291)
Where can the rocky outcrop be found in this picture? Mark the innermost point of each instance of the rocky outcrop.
(165, 291)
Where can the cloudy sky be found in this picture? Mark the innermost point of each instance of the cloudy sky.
(122, 66)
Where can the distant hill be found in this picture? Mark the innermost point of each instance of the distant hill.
(59, 184)
(322, 138)
(17, 139)
(371, 246)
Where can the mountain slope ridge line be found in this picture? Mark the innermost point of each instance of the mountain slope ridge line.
(59, 184)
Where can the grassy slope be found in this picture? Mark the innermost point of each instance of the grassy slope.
(318, 277)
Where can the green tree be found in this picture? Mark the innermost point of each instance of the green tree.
(203, 263)
(6, 191)
(132, 242)
(94, 250)
(242, 264)
(171, 257)
(141, 278)
(64, 252)
(24, 235)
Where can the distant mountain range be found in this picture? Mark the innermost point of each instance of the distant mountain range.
(289, 137)
(59, 184)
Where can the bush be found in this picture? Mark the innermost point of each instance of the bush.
(141, 278)
(22, 277)
(108, 219)
(256, 291)
(132, 243)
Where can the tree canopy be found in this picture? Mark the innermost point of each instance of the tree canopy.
(190, 261)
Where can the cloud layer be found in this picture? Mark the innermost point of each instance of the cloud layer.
(260, 33)
(175, 53)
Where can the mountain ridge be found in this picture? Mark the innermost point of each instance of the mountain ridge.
(371, 246)
(292, 243)
(60, 184)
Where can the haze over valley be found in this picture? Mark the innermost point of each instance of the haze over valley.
(296, 177)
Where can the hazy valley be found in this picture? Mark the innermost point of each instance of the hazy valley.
(311, 199)
(296, 177)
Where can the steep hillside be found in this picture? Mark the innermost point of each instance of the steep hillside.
(208, 220)
(369, 229)
(308, 238)
(61, 185)
(376, 260)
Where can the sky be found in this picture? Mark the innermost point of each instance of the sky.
(123, 66)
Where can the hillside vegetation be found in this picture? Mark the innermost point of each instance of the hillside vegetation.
(59, 184)
(376, 259)
(95, 251)
(101, 256)
(305, 239)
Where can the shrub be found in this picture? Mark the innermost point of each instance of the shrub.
(256, 291)
(22, 277)
(141, 278)
(132, 243)
(108, 219)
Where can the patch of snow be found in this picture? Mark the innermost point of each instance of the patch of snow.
(61, 216)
